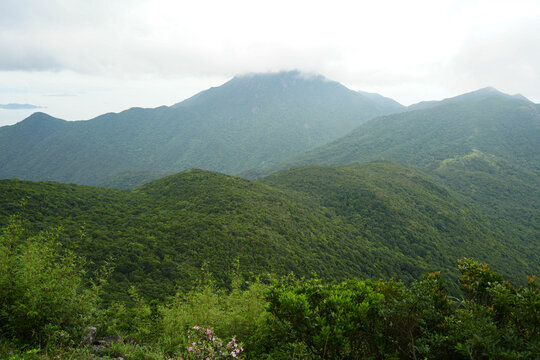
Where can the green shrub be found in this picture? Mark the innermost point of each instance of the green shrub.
(495, 320)
(41, 288)
(334, 321)
(134, 319)
(389, 320)
(240, 312)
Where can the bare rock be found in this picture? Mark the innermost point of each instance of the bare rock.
(89, 335)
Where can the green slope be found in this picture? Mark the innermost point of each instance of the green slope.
(483, 145)
(376, 220)
(492, 123)
(248, 121)
(408, 213)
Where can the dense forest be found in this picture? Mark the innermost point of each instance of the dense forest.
(49, 312)
(377, 220)
(482, 145)
(315, 262)
(358, 228)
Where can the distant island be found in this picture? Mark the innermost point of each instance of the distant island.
(13, 106)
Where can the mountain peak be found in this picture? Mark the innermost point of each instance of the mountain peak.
(488, 92)
(481, 93)
(308, 87)
(39, 115)
(40, 118)
(270, 83)
(281, 80)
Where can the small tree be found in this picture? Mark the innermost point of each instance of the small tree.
(496, 319)
(41, 289)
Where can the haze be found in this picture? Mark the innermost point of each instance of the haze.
(79, 59)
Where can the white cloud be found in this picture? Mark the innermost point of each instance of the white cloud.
(408, 50)
(506, 58)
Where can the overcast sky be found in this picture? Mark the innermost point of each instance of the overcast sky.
(78, 59)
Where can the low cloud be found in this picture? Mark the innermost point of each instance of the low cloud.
(506, 59)
(419, 50)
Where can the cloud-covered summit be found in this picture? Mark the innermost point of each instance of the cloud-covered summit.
(165, 49)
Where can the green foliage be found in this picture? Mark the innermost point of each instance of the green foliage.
(334, 321)
(353, 319)
(239, 313)
(41, 287)
(388, 320)
(496, 320)
(406, 212)
(476, 281)
(134, 318)
(483, 146)
(377, 220)
(361, 319)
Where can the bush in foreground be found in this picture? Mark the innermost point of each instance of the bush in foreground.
(41, 289)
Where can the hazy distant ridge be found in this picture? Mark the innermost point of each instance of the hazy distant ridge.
(244, 123)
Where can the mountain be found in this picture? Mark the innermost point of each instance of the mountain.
(483, 145)
(377, 220)
(382, 100)
(478, 94)
(248, 121)
(130, 179)
(496, 124)
(408, 213)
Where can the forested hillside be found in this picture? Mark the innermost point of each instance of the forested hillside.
(376, 220)
(483, 145)
(407, 212)
(484, 121)
(192, 255)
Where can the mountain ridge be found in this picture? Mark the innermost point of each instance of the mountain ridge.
(378, 220)
(484, 148)
(486, 107)
(241, 124)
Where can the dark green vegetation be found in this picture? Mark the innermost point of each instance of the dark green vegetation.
(482, 145)
(150, 263)
(378, 220)
(248, 121)
(387, 320)
(485, 121)
(45, 307)
(395, 206)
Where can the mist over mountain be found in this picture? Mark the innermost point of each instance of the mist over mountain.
(247, 122)
(484, 121)
(481, 146)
